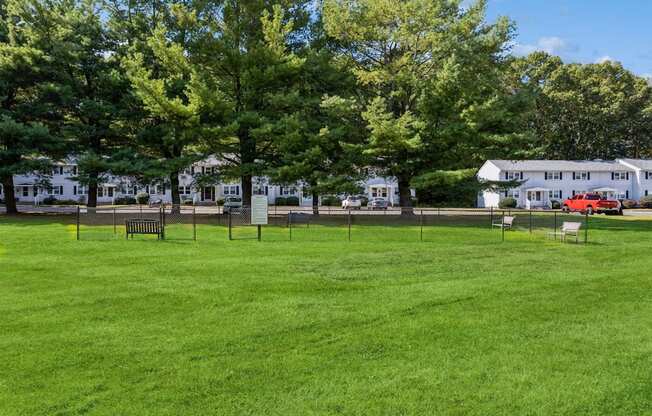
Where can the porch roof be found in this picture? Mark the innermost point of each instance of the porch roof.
(537, 189)
(605, 189)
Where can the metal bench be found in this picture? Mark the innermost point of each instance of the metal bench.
(506, 223)
(143, 226)
(568, 228)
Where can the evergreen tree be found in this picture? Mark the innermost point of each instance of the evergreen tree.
(323, 145)
(413, 61)
(28, 97)
(250, 50)
(89, 67)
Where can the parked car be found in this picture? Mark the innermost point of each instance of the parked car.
(232, 202)
(592, 203)
(155, 202)
(352, 202)
(378, 203)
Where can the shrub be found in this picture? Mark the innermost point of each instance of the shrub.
(125, 200)
(142, 198)
(220, 202)
(555, 204)
(280, 201)
(50, 200)
(292, 201)
(331, 201)
(508, 202)
(67, 202)
(646, 201)
(628, 203)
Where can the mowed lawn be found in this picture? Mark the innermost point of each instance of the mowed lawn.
(457, 324)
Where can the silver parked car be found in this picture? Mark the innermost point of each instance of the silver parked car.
(232, 202)
(378, 203)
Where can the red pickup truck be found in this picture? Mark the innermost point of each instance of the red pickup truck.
(592, 203)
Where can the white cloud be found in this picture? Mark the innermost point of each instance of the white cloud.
(603, 59)
(552, 45)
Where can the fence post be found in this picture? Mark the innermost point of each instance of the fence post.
(349, 224)
(555, 234)
(141, 211)
(586, 229)
(290, 223)
(502, 227)
(259, 231)
(162, 219)
(421, 224)
(78, 215)
(230, 224)
(194, 224)
(491, 216)
(530, 220)
(114, 225)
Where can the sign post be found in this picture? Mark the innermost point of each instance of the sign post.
(259, 212)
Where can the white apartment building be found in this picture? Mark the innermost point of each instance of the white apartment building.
(33, 189)
(544, 181)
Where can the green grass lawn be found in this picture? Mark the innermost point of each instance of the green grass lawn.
(382, 325)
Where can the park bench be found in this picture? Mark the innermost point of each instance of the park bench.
(568, 228)
(144, 226)
(505, 223)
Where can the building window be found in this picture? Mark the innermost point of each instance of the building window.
(555, 194)
(231, 189)
(648, 175)
(79, 190)
(261, 190)
(514, 193)
(553, 176)
(581, 176)
(379, 192)
(619, 176)
(184, 190)
(56, 190)
(25, 191)
(513, 176)
(288, 190)
(57, 170)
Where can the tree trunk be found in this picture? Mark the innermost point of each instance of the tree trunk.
(10, 197)
(246, 190)
(91, 202)
(174, 191)
(404, 196)
(315, 203)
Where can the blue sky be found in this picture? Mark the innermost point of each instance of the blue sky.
(583, 30)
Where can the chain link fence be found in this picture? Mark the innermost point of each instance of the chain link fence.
(193, 223)
(417, 224)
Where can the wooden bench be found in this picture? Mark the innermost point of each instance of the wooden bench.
(568, 228)
(506, 223)
(142, 226)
